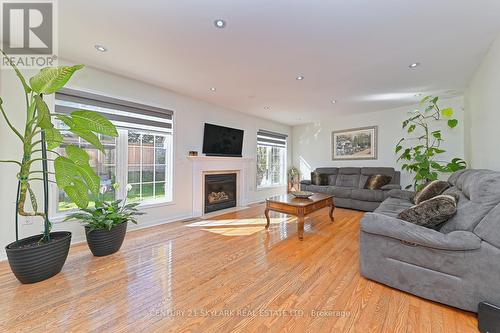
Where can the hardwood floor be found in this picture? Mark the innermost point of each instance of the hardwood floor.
(225, 274)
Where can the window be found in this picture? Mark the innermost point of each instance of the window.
(271, 159)
(141, 155)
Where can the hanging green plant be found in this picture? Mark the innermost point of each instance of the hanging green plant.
(421, 150)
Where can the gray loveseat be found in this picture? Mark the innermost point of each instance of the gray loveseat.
(459, 264)
(347, 186)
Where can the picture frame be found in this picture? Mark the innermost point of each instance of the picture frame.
(355, 144)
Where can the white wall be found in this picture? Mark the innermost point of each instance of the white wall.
(312, 142)
(189, 117)
(482, 100)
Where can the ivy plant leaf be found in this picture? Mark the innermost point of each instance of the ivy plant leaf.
(434, 100)
(53, 138)
(44, 121)
(398, 149)
(425, 99)
(411, 128)
(94, 122)
(452, 123)
(77, 192)
(51, 79)
(437, 134)
(447, 113)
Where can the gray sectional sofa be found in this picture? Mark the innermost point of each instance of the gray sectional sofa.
(459, 264)
(347, 186)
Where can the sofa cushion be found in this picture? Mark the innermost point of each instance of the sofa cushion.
(375, 182)
(430, 190)
(479, 192)
(318, 178)
(332, 179)
(343, 192)
(349, 171)
(393, 206)
(318, 188)
(368, 195)
(328, 171)
(347, 180)
(431, 213)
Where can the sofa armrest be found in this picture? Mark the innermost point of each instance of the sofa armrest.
(413, 234)
(401, 194)
(390, 187)
(305, 182)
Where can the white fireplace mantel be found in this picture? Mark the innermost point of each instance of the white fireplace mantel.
(202, 165)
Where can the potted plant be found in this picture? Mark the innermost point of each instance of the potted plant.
(39, 257)
(293, 179)
(421, 150)
(106, 223)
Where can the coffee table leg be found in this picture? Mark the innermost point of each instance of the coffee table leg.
(332, 207)
(266, 212)
(300, 227)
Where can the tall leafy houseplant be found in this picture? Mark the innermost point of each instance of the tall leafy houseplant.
(421, 151)
(72, 172)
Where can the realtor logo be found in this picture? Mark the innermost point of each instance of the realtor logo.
(28, 29)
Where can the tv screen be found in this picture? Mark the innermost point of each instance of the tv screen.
(222, 141)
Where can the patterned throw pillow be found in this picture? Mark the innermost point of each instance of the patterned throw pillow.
(431, 213)
(430, 190)
(375, 182)
(319, 178)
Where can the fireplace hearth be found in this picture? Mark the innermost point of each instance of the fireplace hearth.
(220, 191)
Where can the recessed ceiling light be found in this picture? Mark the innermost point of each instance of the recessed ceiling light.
(334, 101)
(300, 77)
(100, 48)
(213, 89)
(220, 23)
(414, 65)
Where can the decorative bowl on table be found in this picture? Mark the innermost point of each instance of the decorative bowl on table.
(302, 194)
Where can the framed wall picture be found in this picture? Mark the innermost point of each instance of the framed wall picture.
(355, 144)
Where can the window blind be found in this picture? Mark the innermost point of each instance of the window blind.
(121, 113)
(272, 139)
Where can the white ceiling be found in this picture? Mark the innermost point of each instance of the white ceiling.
(354, 51)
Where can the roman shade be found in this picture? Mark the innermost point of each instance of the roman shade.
(124, 114)
(272, 139)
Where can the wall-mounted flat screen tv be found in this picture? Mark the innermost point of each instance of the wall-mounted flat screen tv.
(222, 141)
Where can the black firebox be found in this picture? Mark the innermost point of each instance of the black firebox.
(220, 191)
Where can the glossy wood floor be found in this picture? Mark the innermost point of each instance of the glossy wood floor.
(226, 274)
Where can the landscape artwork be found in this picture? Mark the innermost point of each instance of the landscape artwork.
(355, 144)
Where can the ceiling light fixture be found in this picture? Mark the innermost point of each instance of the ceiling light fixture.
(334, 101)
(300, 78)
(213, 89)
(267, 108)
(100, 48)
(414, 65)
(418, 94)
(220, 24)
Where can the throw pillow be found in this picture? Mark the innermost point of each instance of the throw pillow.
(375, 182)
(319, 178)
(430, 190)
(431, 213)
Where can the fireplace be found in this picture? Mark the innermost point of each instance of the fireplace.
(220, 191)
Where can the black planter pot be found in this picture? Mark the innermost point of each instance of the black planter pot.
(36, 263)
(105, 242)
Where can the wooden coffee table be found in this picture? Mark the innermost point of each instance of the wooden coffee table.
(291, 205)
